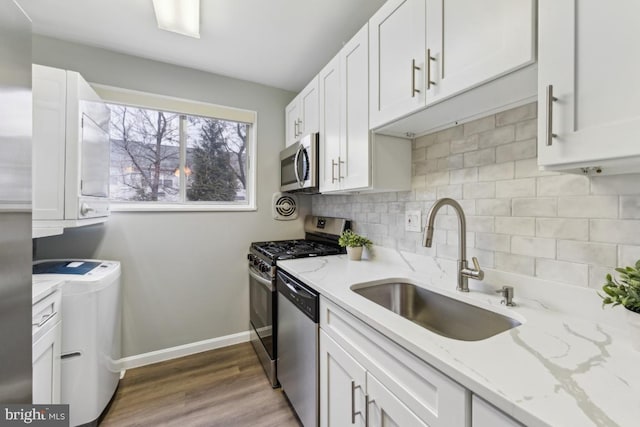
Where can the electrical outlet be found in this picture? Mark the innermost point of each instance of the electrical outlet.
(412, 221)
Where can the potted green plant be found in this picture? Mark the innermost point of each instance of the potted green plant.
(626, 292)
(354, 244)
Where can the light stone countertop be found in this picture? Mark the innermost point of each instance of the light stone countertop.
(570, 363)
(42, 287)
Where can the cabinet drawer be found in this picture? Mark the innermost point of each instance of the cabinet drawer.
(431, 395)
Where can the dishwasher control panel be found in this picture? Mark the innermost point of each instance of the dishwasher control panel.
(300, 294)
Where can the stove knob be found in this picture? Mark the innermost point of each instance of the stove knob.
(250, 257)
(264, 268)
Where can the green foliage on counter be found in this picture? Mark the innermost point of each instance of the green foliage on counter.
(626, 290)
(350, 239)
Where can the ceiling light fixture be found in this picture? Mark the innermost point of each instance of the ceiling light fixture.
(179, 16)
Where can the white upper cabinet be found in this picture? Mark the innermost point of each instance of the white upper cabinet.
(398, 49)
(588, 83)
(471, 42)
(426, 51)
(301, 115)
(351, 158)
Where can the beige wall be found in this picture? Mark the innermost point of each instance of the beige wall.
(562, 227)
(184, 274)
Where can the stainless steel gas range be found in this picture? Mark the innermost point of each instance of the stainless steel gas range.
(321, 238)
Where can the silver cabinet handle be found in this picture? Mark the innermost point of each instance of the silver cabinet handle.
(413, 78)
(550, 100)
(45, 319)
(429, 59)
(300, 131)
(333, 171)
(340, 162)
(295, 129)
(366, 409)
(353, 402)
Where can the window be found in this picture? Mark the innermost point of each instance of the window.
(171, 154)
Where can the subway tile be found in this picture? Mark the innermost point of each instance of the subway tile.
(616, 184)
(517, 151)
(485, 258)
(630, 207)
(452, 238)
(497, 136)
(479, 125)
(533, 246)
(419, 154)
(624, 231)
(628, 255)
(451, 191)
(588, 207)
(515, 263)
(461, 176)
(519, 114)
(419, 167)
(525, 187)
(495, 172)
(598, 276)
(562, 271)
(440, 149)
(516, 226)
(445, 222)
(587, 252)
(562, 228)
(538, 207)
(563, 185)
(493, 242)
(437, 178)
(479, 190)
(406, 196)
(480, 224)
(424, 141)
(464, 145)
(427, 193)
(419, 181)
(480, 157)
(449, 134)
(527, 129)
(493, 207)
(447, 251)
(452, 162)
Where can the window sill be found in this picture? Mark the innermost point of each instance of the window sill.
(171, 207)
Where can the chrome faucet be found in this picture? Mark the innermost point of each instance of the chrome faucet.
(464, 272)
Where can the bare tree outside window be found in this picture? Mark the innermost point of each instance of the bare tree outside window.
(146, 157)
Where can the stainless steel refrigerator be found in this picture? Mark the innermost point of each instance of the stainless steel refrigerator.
(15, 204)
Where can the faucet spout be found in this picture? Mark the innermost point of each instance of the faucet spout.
(464, 272)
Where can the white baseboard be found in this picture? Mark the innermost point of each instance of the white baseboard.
(181, 350)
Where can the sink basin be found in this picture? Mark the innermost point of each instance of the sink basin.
(438, 313)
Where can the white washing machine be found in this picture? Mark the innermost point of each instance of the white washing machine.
(91, 334)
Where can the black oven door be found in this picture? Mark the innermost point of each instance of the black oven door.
(261, 310)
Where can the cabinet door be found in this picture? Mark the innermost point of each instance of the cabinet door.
(46, 367)
(473, 42)
(484, 414)
(329, 91)
(309, 108)
(398, 32)
(587, 56)
(385, 409)
(342, 386)
(355, 157)
(292, 116)
(49, 118)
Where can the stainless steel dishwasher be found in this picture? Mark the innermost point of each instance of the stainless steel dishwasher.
(298, 346)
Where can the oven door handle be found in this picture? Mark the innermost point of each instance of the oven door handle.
(265, 282)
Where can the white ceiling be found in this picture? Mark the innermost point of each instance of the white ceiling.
(280, 43)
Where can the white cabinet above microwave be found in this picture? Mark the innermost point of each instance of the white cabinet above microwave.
(71, 152)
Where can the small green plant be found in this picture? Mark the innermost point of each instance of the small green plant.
(626, 291)
(350, 239)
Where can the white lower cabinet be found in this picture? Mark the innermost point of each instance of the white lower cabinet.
(484, 414)
(367, 380)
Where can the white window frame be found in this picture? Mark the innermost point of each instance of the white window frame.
(139, 99)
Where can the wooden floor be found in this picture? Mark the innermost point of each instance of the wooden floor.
(224, 387)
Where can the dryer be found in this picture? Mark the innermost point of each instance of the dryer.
(91, 333)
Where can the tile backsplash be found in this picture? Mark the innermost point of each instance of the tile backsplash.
(562, 227)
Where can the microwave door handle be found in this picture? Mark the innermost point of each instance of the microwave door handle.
(295, 165)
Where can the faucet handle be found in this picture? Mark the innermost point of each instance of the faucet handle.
(476, 264)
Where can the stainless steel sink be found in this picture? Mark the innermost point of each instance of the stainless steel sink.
(440, 314)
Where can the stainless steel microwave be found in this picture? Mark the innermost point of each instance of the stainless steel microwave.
(299, 166)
